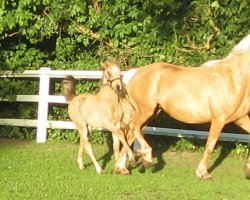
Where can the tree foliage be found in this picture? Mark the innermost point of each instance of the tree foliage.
(78, 34)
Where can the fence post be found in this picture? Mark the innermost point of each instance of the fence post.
(43, 105)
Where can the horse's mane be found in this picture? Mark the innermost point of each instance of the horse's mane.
(210, 63)
(238, 49)
(242, 46)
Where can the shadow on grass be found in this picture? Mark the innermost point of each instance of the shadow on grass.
(163, 144)
(106, 158)
(160, 145)
(224, 152)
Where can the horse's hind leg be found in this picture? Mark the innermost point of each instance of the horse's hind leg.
(84, 143)
(247, 168)
(214, 133)
(244, 123)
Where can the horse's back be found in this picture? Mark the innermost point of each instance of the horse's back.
(189, 94)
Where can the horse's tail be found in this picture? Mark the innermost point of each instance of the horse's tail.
(68, 88)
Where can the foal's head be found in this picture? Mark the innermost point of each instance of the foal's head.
(112, 75)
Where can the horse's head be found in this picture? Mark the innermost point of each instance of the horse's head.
(112, 75)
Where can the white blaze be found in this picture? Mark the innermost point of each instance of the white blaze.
(116, 70)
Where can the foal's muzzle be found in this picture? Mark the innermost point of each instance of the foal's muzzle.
(117, 87)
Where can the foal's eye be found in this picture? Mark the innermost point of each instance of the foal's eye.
(109, 73)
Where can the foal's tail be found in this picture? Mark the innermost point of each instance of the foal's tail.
(68, 88)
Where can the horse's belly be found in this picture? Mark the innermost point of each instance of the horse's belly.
(187, 110)
(189, 115)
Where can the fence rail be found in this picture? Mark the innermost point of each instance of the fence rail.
(45, 75)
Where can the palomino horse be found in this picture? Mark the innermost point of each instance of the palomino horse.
(216, 92)
(106, 110)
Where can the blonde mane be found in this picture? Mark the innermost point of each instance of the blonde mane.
(210, 63)
(242, 46)
(239, 49)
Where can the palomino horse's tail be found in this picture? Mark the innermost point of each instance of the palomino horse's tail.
(68, 88)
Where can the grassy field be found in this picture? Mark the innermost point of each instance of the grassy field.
(49, 171)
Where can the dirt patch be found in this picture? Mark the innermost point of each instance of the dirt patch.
(12, 142)
(184, 154)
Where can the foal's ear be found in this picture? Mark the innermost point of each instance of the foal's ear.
(103, 65)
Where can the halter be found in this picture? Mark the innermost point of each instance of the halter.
(109, 83)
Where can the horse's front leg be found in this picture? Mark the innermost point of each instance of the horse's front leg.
(146, 151)
(214, 133)
(244, 123)
(136, 126)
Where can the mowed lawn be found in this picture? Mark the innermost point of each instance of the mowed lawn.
(49, 171)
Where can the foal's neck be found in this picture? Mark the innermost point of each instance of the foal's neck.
(108, 94)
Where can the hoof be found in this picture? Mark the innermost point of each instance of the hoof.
(247, 170)
(207, 176)
(147, 164)
(101, 172)
(123, 171)
(116, 171)
(203, 175)
(133, 163)
(81, 167)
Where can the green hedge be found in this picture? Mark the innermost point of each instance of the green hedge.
(78, 34)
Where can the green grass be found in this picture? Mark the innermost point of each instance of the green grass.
(49, 171)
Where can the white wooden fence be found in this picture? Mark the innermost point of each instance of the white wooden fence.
(44, 76)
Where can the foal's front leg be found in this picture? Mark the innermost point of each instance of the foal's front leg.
(120, 165)
(121, 137)
(84, 143)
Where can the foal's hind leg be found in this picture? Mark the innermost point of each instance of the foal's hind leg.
(116, 146)
(121, 137)
(214, 133)
(244, 123)
(84, 143)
